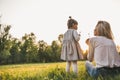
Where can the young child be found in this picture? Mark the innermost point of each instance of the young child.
(102, 50)
(70, 46)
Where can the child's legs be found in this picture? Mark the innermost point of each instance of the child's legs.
(68, 64)
(75, 68)
(92, 70)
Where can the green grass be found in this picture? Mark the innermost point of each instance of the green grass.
(45, 71)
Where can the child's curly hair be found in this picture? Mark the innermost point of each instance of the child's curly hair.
(71, 22)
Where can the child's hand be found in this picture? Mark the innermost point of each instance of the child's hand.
(79, 34)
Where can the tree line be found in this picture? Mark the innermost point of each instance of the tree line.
(27, 49)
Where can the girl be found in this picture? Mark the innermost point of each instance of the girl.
(102, 50)
(70, 47)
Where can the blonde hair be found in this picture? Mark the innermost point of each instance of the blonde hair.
(103, 29)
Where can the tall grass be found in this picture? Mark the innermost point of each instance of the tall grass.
(46, 71)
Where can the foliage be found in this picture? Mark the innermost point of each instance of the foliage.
(60, 38)
(5, 43)
(42, 55)
(15, 51)
(27, 50)
(56, 50)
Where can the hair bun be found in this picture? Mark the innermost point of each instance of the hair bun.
(70, 17)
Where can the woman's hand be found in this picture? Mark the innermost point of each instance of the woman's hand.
(87, 41)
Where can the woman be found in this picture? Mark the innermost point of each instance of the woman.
(102, 50)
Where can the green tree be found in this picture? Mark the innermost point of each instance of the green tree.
(49, 56)
(15, 51)
(60, 38)
(29, 48)
(42, 54)
(5, 43)
(56, 50)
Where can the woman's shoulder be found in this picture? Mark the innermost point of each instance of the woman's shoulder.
(93, 38)
(98, 37)
(101, 39)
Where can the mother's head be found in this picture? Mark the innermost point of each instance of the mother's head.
(103, 29)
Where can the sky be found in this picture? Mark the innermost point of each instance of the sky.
(48, 18)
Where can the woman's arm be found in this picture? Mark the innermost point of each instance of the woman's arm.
(87, 41)
(90, 55)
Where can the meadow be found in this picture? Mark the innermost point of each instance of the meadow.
(45, 71)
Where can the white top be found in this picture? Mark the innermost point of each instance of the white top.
(104, 52)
